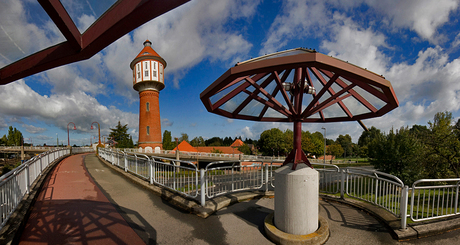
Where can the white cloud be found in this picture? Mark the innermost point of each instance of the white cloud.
(299, 19)
(166, 123)
(19, 100)
(422, 16)
(32, 129)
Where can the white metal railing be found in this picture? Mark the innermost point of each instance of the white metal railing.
(180, 176)
(434, 199)
(233, 176)
(430, 199)
(15, 184)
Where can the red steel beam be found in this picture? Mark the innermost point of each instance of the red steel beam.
(123, 17)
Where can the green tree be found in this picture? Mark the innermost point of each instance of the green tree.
(120, 135)
(335, 150)
(3, 140)
(183, 136)
(345, 142)
(245, 149)
(197, 141)
(398, 153)
(214, 141)
(167, 140)
(365, 139)
(443, 147)
(228, 141)
(14, 137)
(271, 141)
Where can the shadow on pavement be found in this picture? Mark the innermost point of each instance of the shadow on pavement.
(69, 221)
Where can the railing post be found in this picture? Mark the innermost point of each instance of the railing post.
(27, 178)
(203, 187)
(126, 161)
(403, 206)
(266, 177)
(342, 183)
(151, 171)
(456, 198)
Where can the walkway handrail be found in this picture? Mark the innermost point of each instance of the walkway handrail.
(436, 200)
(16, 184)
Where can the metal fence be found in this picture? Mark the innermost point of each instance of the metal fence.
(434, 199)
(179, 176)
(429, 199)
(15, 184)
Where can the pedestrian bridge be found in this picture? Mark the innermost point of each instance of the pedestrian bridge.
(200, 189)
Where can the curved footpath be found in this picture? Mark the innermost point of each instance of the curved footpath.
(94, 204)
(71, 209)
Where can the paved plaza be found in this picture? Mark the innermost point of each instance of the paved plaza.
(85, 202)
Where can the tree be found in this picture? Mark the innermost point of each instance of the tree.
(335, 150)
(183, 136)
(270, 141)
(3, 140)
(365, 139)
(197, 141)
(14, 137)
(245, 149)
(345, 142)
(398, 153)
(167, 140)
(214, 141)
(120, 135)
(443, 158)
(228, 141)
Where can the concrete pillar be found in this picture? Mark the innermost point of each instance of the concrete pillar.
(296, 199)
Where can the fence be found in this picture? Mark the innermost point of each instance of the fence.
(15, 184)
(434, 198)
(429, 199)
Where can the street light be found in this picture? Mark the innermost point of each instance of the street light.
(68, 137)
(324, 144)
(99, 130)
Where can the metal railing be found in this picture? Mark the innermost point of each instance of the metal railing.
(430, 199)
(179, 176)
(15, 184)
(434, 199)
(234, 176)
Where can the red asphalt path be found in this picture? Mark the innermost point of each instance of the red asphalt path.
(71, 209)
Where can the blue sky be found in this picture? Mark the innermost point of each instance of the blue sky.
(414, 44)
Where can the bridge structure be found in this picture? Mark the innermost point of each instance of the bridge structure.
(201, 191)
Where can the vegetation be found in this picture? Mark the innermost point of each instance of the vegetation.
(120, 135)
(419, 152)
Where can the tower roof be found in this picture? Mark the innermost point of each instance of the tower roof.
(147, 52)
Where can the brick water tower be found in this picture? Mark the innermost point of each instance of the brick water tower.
(148, 80)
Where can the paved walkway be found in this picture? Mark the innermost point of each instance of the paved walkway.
(91, 220)
(71, 209)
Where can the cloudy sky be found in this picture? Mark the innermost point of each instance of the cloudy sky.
(415, 44)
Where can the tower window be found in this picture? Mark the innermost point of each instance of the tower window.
(148, 130)
(146, 73)
(147, 105)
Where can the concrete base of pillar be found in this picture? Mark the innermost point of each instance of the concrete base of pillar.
(320, 236)
(296, 199)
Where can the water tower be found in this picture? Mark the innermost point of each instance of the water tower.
(148, 80)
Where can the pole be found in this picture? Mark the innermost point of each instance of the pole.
(324, 145)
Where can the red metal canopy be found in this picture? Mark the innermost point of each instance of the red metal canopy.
(123, 17)
(299, 85)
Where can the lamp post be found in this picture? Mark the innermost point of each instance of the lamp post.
(99, 131)
(57, 140)
(68, 135)
(324, 144)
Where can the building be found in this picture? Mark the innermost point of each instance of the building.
(148, 79)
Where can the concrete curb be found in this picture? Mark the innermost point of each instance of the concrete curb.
(189, 204)
(320, 236)
(11, 232)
